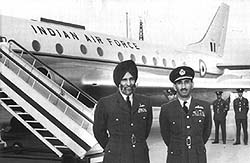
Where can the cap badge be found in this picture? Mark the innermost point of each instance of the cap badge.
(182, 72)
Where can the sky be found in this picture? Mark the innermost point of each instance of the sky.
(166, 22)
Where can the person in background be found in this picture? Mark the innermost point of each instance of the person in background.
(220, 109)
(241, 108)
(185, 122)
(122, 121)
(171, 94)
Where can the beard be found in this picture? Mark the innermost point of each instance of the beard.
(127, 89)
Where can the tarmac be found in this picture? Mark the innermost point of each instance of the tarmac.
(216, 153)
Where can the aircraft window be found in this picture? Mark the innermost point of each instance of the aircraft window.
(132, 57)
(59, 48)
(36, 45)
(154, 61)
(164, 61)
(173, 63)
(100, 51)
(144, 59)
(120, 56)
(83, 49)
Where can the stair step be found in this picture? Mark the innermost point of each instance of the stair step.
(41, 129)
(22, 113)
(51, 138)
(32, 121)
(6, 98)
(61, 146)
(12, 106)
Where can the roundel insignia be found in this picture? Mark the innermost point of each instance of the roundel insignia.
(182, 72)
(203, 68)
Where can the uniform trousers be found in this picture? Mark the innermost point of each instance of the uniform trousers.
(242, 122)
(219, 123)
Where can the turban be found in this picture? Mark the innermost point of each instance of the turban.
(122, 68)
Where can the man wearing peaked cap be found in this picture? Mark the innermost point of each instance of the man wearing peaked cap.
(241, 108)
(171, 94)
(240, 90)
(218, 93)
(180, 73)
(185, 122)
(220, 108)
(122, 121)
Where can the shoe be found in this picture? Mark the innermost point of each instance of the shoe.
(236, 143)
(215, 142)
(224, 142)
(245, 143)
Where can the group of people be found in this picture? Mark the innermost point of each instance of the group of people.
(122, 121)
(221, 107)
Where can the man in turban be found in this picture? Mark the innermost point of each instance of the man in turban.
(122, 121)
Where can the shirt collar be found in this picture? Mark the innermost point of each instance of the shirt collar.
(125, 97)
(188, 101)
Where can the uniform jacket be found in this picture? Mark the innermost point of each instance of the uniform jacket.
(241, 108)
(186, 134)
(220, 109)
(125, 141)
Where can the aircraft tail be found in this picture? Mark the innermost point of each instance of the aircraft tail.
(214, 39)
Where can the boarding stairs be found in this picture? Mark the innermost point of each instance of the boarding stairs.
(54, 110)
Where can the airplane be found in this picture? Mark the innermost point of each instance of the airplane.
(87, 59)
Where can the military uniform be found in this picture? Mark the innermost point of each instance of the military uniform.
(241, 108)
(128, 130)
(185, 129)
(220, 109)
(186, 134)
(122, 121)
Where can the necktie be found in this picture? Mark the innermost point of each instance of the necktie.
(128, 102)
(185, 108)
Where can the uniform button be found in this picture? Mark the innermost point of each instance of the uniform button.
(109, 151)
(187, 116)
(131, 124)
(133, 146)
(173, 123)
(116, 119)
(189, 147)
(172, 152)
(144, 117)
(199, 120)
(188, 126)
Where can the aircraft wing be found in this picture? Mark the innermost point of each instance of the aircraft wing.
(234, 67)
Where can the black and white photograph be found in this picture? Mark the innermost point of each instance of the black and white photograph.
(124, 81)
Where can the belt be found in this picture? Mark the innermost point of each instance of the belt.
(126, 139)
